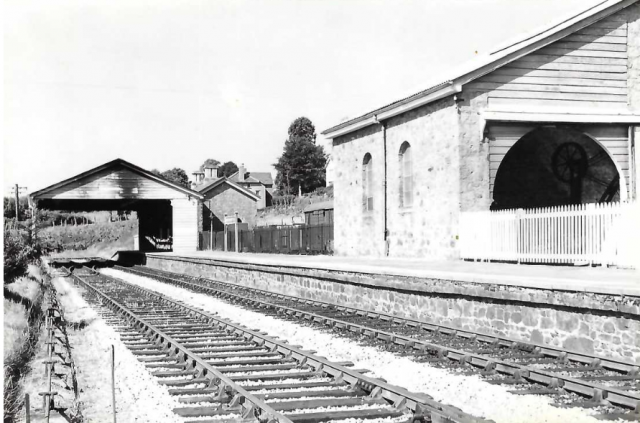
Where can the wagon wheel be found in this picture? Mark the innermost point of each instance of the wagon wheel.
(569, 162)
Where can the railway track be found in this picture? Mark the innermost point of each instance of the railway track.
(574, 379)
(222, 371)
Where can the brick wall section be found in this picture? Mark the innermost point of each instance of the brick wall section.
(225, 199)
(429, 227)
(200, 216)
(590, 323)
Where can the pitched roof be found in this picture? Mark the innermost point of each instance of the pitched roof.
(118, 163)
(207, 184)
(264, 178)
(323, 205)
(219, 181)
(452, 83)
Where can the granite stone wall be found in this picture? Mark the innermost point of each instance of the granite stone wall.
(226, 200)
(474, 152)
(429, 227)
(591, 323)
(358, 232)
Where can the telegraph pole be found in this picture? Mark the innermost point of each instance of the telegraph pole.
(16, 190)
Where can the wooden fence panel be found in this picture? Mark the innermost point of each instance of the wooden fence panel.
(299, 239)
(602, 234)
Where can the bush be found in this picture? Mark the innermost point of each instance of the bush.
(19, 252)
(23, 318)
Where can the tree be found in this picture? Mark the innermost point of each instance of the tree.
(227, 169)
(303, 128)
(303, 163)
(176, 175)
(211, 162)
(9, 207)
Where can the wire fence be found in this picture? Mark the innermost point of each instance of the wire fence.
(299, 239)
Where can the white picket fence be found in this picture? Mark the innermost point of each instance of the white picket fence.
(606, 234)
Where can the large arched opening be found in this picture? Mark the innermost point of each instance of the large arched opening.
(555, 166)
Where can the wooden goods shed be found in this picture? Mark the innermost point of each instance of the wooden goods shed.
(167, 212)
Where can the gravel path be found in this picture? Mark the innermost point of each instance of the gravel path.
(469, 393)
(139, 398)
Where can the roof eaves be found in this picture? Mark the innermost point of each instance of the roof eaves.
(486, 65)
(231, 183)
(115, 162)
(426, 96)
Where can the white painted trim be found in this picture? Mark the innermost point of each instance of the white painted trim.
(401, 108)
(568, 117)
(437, 95)
(353, 127)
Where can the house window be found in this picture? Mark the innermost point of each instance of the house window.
(367, 183)
(406, 175)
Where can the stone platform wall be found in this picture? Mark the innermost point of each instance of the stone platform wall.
(589, 323)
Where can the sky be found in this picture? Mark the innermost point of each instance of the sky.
(166, 84)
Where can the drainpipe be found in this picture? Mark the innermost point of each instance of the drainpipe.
(384, 185)
(633, 176)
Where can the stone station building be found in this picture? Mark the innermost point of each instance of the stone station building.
(549, 120)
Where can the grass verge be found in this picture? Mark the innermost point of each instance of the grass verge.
(23, 320)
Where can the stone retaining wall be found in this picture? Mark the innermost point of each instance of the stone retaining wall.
(586, 322)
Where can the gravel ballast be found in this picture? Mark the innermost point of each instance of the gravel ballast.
(139, 398)
(470, 393)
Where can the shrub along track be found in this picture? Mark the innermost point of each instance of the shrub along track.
(574, 379)
(220, 369)
(16, 364)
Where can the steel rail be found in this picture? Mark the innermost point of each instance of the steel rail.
(265, 413)
(421, 405)
(618, 365)
(597, 392)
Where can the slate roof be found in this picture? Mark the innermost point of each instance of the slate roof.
(264, 178)
(509, 52)
(323, 205)
(219, 181)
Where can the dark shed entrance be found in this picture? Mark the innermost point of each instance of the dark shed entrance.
(167, 212)
(555, 164)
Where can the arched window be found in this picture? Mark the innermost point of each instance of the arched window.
(406, 175)
(367, 183)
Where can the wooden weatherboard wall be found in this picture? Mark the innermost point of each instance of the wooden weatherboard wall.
(114, 183)
(185, 224)
(587, 69)
(614, 138)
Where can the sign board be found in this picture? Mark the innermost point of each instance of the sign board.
(230, 220)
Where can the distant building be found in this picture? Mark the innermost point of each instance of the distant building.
(167, 212)
(549, 120)
(260, 183)
(319, 213)
(223, 197)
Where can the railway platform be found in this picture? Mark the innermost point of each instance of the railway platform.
(592, 310)
(598, 280)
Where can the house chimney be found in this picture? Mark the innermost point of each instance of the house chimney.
(211, 171)
(241, 171)
(198, 175)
